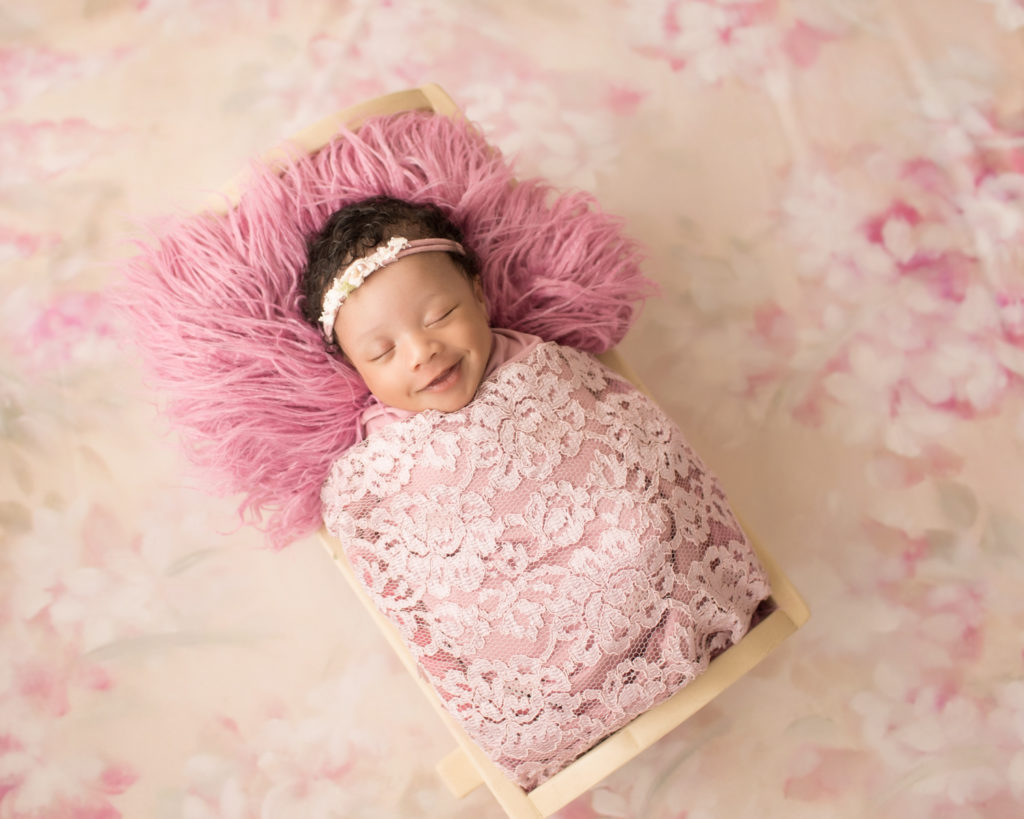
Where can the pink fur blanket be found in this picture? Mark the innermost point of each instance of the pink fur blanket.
(554, 555)
(213, 304)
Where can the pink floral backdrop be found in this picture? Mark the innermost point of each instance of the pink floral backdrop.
(832, 195)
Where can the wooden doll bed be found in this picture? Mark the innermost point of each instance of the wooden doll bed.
(466, 767)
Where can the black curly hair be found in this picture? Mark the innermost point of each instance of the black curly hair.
(356, 229)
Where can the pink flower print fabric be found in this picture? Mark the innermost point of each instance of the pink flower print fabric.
(555, 556)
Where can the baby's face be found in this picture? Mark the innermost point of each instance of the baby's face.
(417, 332)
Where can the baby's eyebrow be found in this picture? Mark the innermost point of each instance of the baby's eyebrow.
(376, 330)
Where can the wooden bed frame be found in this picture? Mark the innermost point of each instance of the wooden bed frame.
(467, 767)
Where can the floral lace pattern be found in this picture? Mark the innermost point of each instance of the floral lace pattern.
(555, 556)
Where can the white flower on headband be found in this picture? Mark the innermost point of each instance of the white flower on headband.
(355, 274)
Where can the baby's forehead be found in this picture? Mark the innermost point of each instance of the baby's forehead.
(418, 275)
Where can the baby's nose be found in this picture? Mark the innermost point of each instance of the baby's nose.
(423, 348)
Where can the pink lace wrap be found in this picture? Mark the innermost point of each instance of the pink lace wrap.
(555, 556)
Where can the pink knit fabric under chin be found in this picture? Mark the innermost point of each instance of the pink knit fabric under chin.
(213, 303)
(554, 555)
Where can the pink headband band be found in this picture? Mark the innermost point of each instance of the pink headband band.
(355, 274)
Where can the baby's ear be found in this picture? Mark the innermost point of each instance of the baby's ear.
(478, 292)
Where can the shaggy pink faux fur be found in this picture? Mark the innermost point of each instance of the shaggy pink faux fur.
(213, 301)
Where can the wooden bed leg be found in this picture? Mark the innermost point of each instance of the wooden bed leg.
(458, 773)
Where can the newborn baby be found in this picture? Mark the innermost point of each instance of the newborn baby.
(554, 555)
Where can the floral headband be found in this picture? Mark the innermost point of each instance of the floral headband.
(355, 274)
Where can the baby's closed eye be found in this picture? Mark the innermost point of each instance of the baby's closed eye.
(380, 354)
(442, 317)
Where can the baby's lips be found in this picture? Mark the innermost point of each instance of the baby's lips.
(440, 376)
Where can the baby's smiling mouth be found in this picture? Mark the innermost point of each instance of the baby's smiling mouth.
(444, 378)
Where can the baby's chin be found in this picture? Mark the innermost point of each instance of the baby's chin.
(449, 406)
(454, 391)
(452, 404)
